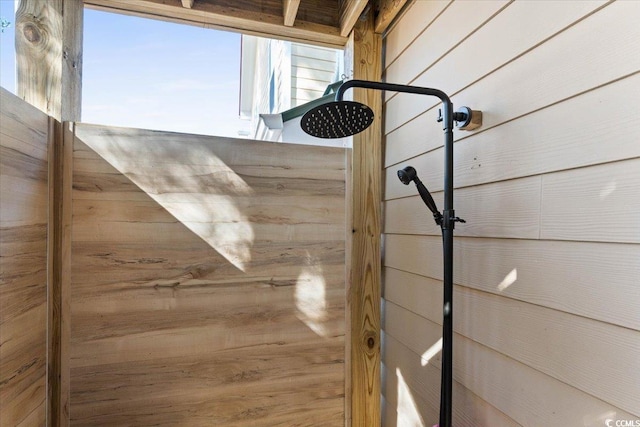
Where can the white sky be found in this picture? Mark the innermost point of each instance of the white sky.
(150, 74)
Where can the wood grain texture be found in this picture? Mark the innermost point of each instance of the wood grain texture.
(49, 56)
(23, 262)
(61, 141)
(316, 23)
(387, 12)
(264, 386)
(207, 281)
(350, 11)
(364, 294)
(290, 10)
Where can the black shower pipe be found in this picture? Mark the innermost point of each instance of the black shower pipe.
(448, 222)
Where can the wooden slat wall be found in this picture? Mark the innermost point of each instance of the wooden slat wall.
(208, 281)
(546, 303)
(23, 262)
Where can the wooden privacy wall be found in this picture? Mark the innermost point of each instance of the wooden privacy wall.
(207, 281)
(23, 262)
(546, 302)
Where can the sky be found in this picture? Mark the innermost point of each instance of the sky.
(150, 74)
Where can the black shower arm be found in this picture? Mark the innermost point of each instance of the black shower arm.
(366, 84)
(448, 221)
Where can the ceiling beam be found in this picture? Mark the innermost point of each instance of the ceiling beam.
(387, 11)
(187, 3)
(350, 11)
(227, 18)
(290, 10)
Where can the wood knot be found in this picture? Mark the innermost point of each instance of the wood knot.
(370, 343)
(32, 33)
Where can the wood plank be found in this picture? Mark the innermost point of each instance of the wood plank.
(419, 15)
(49, 56)
(350, 11)
(23, 354)
(598, 203)
(509, 209)
(244, 157)
(364, 292)
(209, 255)
(187, 3)
(387, 12)
(316, 211)
(566, 276)
(23, 262)
(290, 10)
(218, 384)
(320, 11)
(227, 18)
(523, 147)
(22, 126)
(59, 270)
(498, 379)
(560, 27)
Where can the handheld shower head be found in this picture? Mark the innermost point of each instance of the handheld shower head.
(337, 119)
(409, 174)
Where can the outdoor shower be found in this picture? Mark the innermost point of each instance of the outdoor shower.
(345, 118)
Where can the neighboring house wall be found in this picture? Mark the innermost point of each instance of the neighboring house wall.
(547, 267)
(281, 75)
(313, 68)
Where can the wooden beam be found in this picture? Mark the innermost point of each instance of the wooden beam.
(290, 10)
(387, 11)
(49, 55)
(350, 11)
(364, 291)
(187, 3)
(228, 18)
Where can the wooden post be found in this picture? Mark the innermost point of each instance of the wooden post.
(49, 56)
(61, 139)
(364, 290)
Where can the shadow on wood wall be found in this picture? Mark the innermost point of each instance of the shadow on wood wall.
(208, 281)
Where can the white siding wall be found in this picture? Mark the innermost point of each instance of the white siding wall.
(313, 68)
(547, 268)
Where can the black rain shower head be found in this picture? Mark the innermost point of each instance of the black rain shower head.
(337, 119)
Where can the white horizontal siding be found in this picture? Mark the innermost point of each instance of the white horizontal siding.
(547, 304)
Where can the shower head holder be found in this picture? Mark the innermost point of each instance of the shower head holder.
(465, 118)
